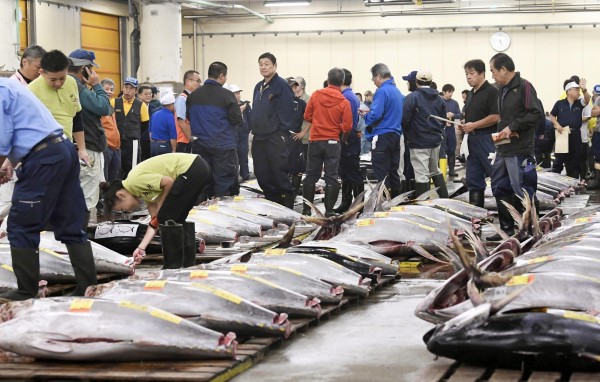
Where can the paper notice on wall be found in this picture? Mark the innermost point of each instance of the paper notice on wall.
(561, 145)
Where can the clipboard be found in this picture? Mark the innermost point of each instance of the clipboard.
(561, 145)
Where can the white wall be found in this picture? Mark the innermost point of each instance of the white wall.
(9, 44)
(52, 22)
(544, 56)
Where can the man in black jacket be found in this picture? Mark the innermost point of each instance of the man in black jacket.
(514, 166)
(424, 134)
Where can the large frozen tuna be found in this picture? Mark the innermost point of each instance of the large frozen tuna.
(213, 216)
(213, 308)
(262, 207)
(82, 329)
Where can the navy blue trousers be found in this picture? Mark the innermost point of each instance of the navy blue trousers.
(350, 159)
(514, 174)
(478, 165)
(48, 192)
(385, 158)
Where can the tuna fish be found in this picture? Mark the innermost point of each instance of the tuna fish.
(458, 208)
(256, 289)
(550, 340)
(264, 222)
(547, 201)
(211, 214)
(212, 233)
(287, 278)
(210, 307)
(262, 207)
(313, 266)
(81, 329)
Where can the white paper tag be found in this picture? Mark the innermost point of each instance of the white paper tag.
(106, 230)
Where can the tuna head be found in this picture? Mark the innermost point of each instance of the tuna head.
(99, 290)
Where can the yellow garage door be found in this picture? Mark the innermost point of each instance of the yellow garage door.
(23, 26)
(100, 33)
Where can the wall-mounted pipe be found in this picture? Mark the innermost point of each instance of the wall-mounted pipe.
(229, 6)
(195, 42)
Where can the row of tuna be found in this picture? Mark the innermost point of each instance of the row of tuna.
(530, 302)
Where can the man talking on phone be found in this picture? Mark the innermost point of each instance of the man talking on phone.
(95, 104)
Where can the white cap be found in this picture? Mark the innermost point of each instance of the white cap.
(424, 76)
(571, 85)
(167, 99)
(234, 88)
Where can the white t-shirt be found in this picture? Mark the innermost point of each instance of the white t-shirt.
(585, 113)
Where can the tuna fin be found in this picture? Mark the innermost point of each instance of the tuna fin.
(350, 215)
(499, 305)
(57, 344)
(314, 208)
(514, 213)
(431, 194)
(451, 256)
(400, 199)
(461, 190)
(371, 202)
(480, 250)
(421, 251)
(287, 238)
(321, 221)
(474, 294)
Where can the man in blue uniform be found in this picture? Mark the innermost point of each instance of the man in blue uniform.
(47, 192)
(384, 129)
(163, 130)
(481, 117)
(271, 122)
(453, 113)
(514, 166)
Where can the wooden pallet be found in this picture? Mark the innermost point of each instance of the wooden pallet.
(444, 370)
(249, 353)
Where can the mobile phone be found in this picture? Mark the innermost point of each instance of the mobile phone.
(85, 73)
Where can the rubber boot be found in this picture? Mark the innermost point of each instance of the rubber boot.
(396, 191)
(308, 193)
(402, 186)
(171, 237)
(421, 188)
(346, 198)
(451, 164)
(444, 166)
(189, 244)
(439, 181)
(288, 199)
(26, 266)
(82, 260)
(331, 195)
(507, 223)
(357, 188)
(410, 185)
(594, 183)
(476, 198)
(297, 183)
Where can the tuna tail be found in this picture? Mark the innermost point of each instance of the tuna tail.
(461, 190)
(481, 251)
(242, 257)
(350, 215)
(514, 213)
(314, 208)
(287, 238)
(452, 257)
(423, 252)
(371, 203)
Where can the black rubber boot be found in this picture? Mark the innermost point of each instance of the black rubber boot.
(308, 192)
(26, 266)
(410, 185)
(507, 224)
(421, 188)
(189, 244)
(331, 195)
(451, 164)
(476, 198)
(440, 183)
(297, 183)
(171, 237)
(346, 198)
(288, 199)
(594, 183)
(403, 186)
(82, 260)
(396, 191)
(357, 188)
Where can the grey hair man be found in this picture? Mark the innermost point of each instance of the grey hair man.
(30, 65)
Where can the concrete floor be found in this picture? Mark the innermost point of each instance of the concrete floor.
(378, 339)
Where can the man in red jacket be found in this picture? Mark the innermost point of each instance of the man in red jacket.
(329, 115)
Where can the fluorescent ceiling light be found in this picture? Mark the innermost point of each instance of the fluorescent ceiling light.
(284, 3)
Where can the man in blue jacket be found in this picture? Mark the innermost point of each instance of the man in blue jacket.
(424, 134)
(214, 115)
(271, 122)
(384, 129)
(94, 104)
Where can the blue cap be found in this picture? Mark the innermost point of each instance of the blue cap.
(597, 89)
(82, 57)
(131, 81)
(412, 76)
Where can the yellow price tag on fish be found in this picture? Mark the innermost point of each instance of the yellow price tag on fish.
(81, 305)
(50, 252)
(581, 316)
(521, 280)
(227, 296)
(213, 207)
(541, 259)
(583, 220)
(381, 214)
(398, 208)
(238, 198)
(275, 251)
(365, 222)
(7, 267)
(155, 284)
(284, 268)
(205, 221)
(202, 274)
(165, 316)
(131, 305)
(409, 264)
(192, 212)
(239, 268)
